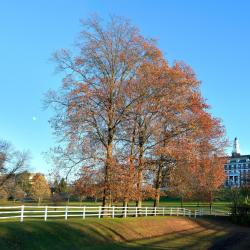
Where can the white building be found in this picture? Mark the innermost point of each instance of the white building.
(237, 168)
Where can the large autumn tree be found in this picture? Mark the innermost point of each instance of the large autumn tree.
(93, 101)
(210, 158)
(199, 169)
(179, 102)
(120, 110)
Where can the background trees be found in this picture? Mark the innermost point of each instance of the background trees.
(40, 188)
(60, 189)
(12, 165)
(12, 161)
(125, 115)
(88, 185)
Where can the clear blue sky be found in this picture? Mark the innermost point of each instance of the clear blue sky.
(211, 36)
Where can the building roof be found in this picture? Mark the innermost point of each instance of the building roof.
(238, 159)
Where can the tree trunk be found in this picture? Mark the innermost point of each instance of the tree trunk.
(158, 183)
(139, 188)
(140, 169)
(107, 192)
(181, 201)
(157, 199)
(125, 205)
(210, 203)
(131, 170)
(125, 202)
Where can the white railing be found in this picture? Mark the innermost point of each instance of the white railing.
(45, 212)
(212, 212)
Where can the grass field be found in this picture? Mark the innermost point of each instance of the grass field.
(131, 233)
(165, 203)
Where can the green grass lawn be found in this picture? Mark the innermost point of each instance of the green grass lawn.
(130, 233)
(165, 203)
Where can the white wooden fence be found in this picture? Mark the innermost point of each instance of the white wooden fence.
(212, 212)
(45, 212)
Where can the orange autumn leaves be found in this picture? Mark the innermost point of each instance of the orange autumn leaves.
(121, 100)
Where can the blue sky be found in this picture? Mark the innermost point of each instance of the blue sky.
(211, 36)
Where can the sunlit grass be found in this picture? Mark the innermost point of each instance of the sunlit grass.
(119, 233)
(187, 204)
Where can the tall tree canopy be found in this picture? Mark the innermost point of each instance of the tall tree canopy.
(121, 108)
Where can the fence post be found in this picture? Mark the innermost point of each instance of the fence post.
(66, 212)
(146, 211)
(155, 211)
(184, 212)
(171, 211)
(195, 214)
(189, 213)
(163, 211)
(84, 212)
(136, 212)
(177, 212)
(125, 212)
(100, 212)
(113, 212)
(22, 212)
(45, 213)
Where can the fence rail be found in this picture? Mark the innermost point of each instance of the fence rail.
(45, 212)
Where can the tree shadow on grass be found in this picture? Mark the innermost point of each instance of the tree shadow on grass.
(174, 240)
(51, 235)
(204, 236)
(77, 234)
(236, 237)
(168, 241)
